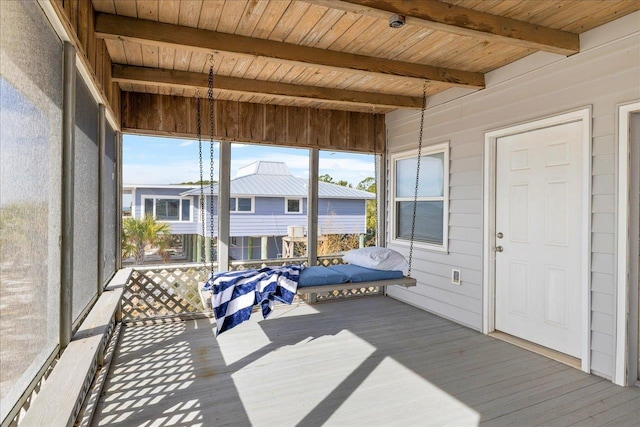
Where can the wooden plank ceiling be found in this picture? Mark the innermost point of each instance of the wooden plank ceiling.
(335, 54)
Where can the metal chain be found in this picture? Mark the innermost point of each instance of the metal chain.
(415, 193)
(375, 176)
(199, 131)
(211, 162)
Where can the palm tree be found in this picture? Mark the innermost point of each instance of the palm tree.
(137, 233)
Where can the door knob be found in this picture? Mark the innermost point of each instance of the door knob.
(499, 249)
(499, 235)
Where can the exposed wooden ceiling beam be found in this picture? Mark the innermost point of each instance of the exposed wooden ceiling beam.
(185, 79)
(439, 16)
(143, 31)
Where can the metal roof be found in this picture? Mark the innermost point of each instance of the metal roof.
(273, 179)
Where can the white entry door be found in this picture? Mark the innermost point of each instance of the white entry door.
(538, 236)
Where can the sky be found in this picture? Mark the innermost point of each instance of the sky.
(157, 160)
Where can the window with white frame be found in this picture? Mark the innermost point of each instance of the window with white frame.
(293, 205)
(432, 207)
(168, 209)
(241, 204)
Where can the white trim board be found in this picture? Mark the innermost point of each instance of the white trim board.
(489, 187)
(623, 339)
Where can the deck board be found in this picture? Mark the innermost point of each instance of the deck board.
(369, 361)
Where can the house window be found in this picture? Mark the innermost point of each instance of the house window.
(432, 207)
(293, 206)
(168, 209)
(241, 204)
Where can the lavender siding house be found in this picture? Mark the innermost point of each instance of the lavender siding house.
(267, 204)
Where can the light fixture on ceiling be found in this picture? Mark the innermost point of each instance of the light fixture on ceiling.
(396, 21)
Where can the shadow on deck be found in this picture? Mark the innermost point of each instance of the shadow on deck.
(370, 361)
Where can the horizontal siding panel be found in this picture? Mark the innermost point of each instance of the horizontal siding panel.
(603, 184)
(466, 234)
(603, 126)
(471, 284)
(603, 223)
(441, 308)
(601, 364)
(465, 178)
(466, 149)
(602, 303)
(601, 342)
(603, 283)
(444, 270)
(467, 248)
(604, 145)
(602, 263)
(465, 220)
(602, 322)
(183, 228)
(454, 259)
(466, 192)
(603, 204)
(603, 165)
(603, 243)
(467, 289)
(465, 206)
(276, 225)
(466, 165)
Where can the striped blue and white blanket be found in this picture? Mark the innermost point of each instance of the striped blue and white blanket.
(236, 292)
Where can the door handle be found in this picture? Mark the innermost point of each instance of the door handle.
(499, 249)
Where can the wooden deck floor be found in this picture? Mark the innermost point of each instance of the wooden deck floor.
(370, 361)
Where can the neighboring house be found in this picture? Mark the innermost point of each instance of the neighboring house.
(268, 210)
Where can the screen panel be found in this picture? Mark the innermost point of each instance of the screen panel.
(85, 222)
(30, 186)
(109, 203)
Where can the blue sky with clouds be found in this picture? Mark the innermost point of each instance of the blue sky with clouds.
(156, 160)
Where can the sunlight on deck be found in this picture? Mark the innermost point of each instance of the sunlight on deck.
(254, 339)
(297, 368)
(400, 389)
(313, 369)
(371, 361)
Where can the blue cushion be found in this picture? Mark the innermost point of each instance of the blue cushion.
(318, 276)
(357, 274)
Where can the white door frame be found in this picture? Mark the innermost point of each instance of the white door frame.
(623, 339)
(489, 218)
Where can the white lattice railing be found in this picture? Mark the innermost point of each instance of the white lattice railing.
(171, 290)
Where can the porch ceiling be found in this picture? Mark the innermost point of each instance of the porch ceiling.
(330, 53)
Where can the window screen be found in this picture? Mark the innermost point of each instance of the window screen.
(30, 158)
(85, 221)
(109, 203)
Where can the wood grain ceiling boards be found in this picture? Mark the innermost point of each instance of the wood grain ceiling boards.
(333, 26)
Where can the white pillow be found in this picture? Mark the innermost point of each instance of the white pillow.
(377, 258)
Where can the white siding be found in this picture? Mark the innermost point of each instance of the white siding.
(601, 76)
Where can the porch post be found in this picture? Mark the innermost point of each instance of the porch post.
(381, 186)
(194, 248)
(312, 208)
(224, 192)
(207, 249)
(102, 136)
(199, 248)
(118, 185)
(264, 240)
(68, 152)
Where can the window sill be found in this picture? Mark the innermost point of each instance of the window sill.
(420, 245)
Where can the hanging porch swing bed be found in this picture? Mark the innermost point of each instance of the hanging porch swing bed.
(234, 294)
